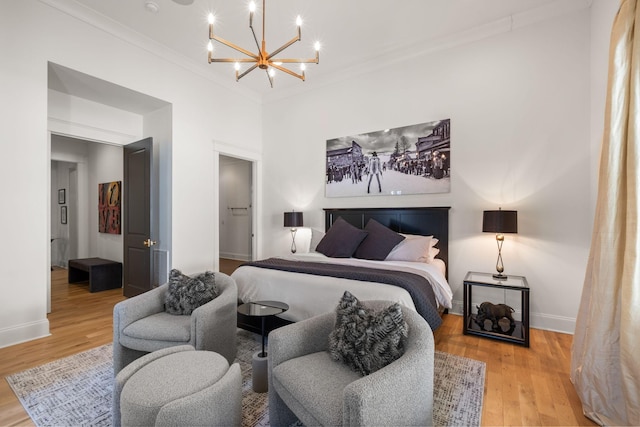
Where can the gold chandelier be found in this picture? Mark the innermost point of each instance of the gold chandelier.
(263, 59)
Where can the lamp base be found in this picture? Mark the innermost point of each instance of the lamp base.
(500, 276)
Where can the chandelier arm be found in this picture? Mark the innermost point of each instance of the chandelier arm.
(283, 47)
(297, 61)
(232, 60)
(286, 70)
(234, 46)
(269, 77)
(254, 34)
(250, 69)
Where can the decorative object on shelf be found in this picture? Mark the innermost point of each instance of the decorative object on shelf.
(61, 196)
(495, 313)
(63, 214)
(293, 220)
(500, 222)
(109, 207)
(411, 159)
(262, 59)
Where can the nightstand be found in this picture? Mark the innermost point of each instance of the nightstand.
(512, 291)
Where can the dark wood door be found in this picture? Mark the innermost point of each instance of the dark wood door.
(138, 216)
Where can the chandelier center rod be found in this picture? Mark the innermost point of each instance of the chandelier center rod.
(264, 14)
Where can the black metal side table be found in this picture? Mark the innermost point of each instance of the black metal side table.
(516, 332)
(262, 309)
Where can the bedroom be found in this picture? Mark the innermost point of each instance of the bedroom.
(514, 148)
(525, 106)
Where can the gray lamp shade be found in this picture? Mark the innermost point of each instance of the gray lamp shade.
(293, 219)
(500, 221)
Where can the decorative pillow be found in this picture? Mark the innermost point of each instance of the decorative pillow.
(185, 294)
(365, 340)
(378, 243)
(414, 248)
(341, 240)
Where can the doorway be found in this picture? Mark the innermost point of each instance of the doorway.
(77, 167)
(235, 212)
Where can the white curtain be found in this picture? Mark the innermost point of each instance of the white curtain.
(605, 364)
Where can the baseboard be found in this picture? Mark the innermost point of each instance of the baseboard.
(239, 257)
(23, 333)
(547, 322)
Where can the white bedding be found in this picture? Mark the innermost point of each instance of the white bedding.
(309, 295)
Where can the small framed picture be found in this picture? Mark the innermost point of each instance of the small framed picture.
(61, 196)
(63, 214)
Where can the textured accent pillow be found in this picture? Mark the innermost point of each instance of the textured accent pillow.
(414, 248)
(366, 340)
(185, 294)
(341, 240)
(378, 243)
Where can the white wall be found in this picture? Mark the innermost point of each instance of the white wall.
(520, 138)
(202, 111)
(157, 125)
(104, 165)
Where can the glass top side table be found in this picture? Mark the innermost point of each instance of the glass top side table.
(263, 309)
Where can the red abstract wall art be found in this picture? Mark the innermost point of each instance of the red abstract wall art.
(109, 207)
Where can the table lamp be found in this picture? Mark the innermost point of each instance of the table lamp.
(293, 220)
(500, 222)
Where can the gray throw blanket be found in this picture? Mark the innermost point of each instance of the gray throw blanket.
(418, 287)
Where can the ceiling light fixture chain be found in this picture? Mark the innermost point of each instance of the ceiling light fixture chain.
(262, 59)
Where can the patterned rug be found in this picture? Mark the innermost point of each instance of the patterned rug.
(76, 390)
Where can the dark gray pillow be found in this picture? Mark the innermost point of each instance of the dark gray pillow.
(341, 240)
(185, 294)
(378, 243)
(366, 340)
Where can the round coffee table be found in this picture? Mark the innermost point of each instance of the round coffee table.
(262, 309)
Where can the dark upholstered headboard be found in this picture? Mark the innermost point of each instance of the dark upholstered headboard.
(423, 221)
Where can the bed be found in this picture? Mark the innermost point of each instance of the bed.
(312, 283)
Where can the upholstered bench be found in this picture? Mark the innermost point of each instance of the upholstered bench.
(178, 386)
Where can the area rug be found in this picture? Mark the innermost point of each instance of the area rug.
(76, 390)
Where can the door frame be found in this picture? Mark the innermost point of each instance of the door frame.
(221, 148)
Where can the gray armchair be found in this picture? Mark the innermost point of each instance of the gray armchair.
(306, 384)
(141, 326)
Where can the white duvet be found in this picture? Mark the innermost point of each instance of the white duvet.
(308, 295)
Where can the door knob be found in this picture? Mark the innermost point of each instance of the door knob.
(148, 243)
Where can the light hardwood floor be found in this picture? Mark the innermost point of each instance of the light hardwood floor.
(522, 387)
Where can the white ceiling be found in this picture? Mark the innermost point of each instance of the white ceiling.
(352, 33)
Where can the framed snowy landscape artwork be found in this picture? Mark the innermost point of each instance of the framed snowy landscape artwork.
(413, 159)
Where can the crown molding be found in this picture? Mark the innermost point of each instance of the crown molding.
(127, 35)
(380, 61)
(429, 46)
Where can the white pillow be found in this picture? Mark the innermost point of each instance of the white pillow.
(414, 248)
(316, 236)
